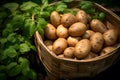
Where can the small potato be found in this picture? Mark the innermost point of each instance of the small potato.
(62, 31)
(97, 26)
(110, 37)
(96, 41)
(82, 49)
(69, 52)
(61, 56)
(77, 29)
(88, 34)
(59, 46)
(48, 44)
(50, 32)
(82, 16)
(55, 18)
(72, 41)
(91, 55)
(68, 19)
(106, 50)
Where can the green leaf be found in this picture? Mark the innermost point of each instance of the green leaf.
(22, 77)
(28, 5)
(15, 71)
(11, 6)
(3, 15)
(40, 30)
(44, 14)
(3, 40)
(11, 65)
(61, 8)
(24, 48)
(41, 23)
(101, 16)
(11, 37)
(32, 75)
(3, 76)
(67, 0)
(2, 68)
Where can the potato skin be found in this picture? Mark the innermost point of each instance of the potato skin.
(59, 46)
(106, 50)
(50, 32)
(110, 37)
(68, 19)
(82, 16)
(82, 48)
(62, 31)
(72, 41)
(88, 34)
(96, 41)
(97, 26)
(69, 52)
(77, 29)
(48, 44)
(55, 18)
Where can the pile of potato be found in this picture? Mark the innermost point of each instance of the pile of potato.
(78, 36)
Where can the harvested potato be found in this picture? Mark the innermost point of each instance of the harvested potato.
(82, 16)
(96, 41)
(50, 32)
(59, 46)
(55, 18)
(61, 56)
(69, 52)
(62, 31)
(88, 34)
(77, 29)
(48, 44)
(72, 41)
(97, 26)
(106, 50)
(82, 49)
(110, 37)
(68, 19)
(90, 56)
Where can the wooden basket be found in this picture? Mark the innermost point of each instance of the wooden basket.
(70, 68)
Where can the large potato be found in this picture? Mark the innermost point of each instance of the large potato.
(77, 29)
(55, 18)
(106, 50)
(96, 41)
(110, 37)
(59, 46)
(82, 48)
(62, 31)
(88, 34)
(82, 16)
(72, 41)
(97, 26)
(69, 52)
(68, 19)
(50, 32)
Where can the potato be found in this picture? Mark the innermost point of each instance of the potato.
(96, 41)
(69, 52)
(59, 46)
(48, 44)
(62, 31)
(72, 41)
(90, 56)
(68, 19)
(77, 29)
(82, 48)
(88, 34)
(82, 16)
(110, 37)
(55, 18)
(50, 32)
(106, 50)
(97, 26)
(61, 56)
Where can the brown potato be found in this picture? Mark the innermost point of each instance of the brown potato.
(72, 41)
(59, 46)
(69, 52)
(61, 56)
(88, 34)
(97, 26)
(110, 37)
(48, 44)
(68, 19)
(90, 56)
(82, 16)
(55, 18)
(96, 41)
(62, 31)
(82, 48)
(77, 29)
(106, 50)
(50, 32)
